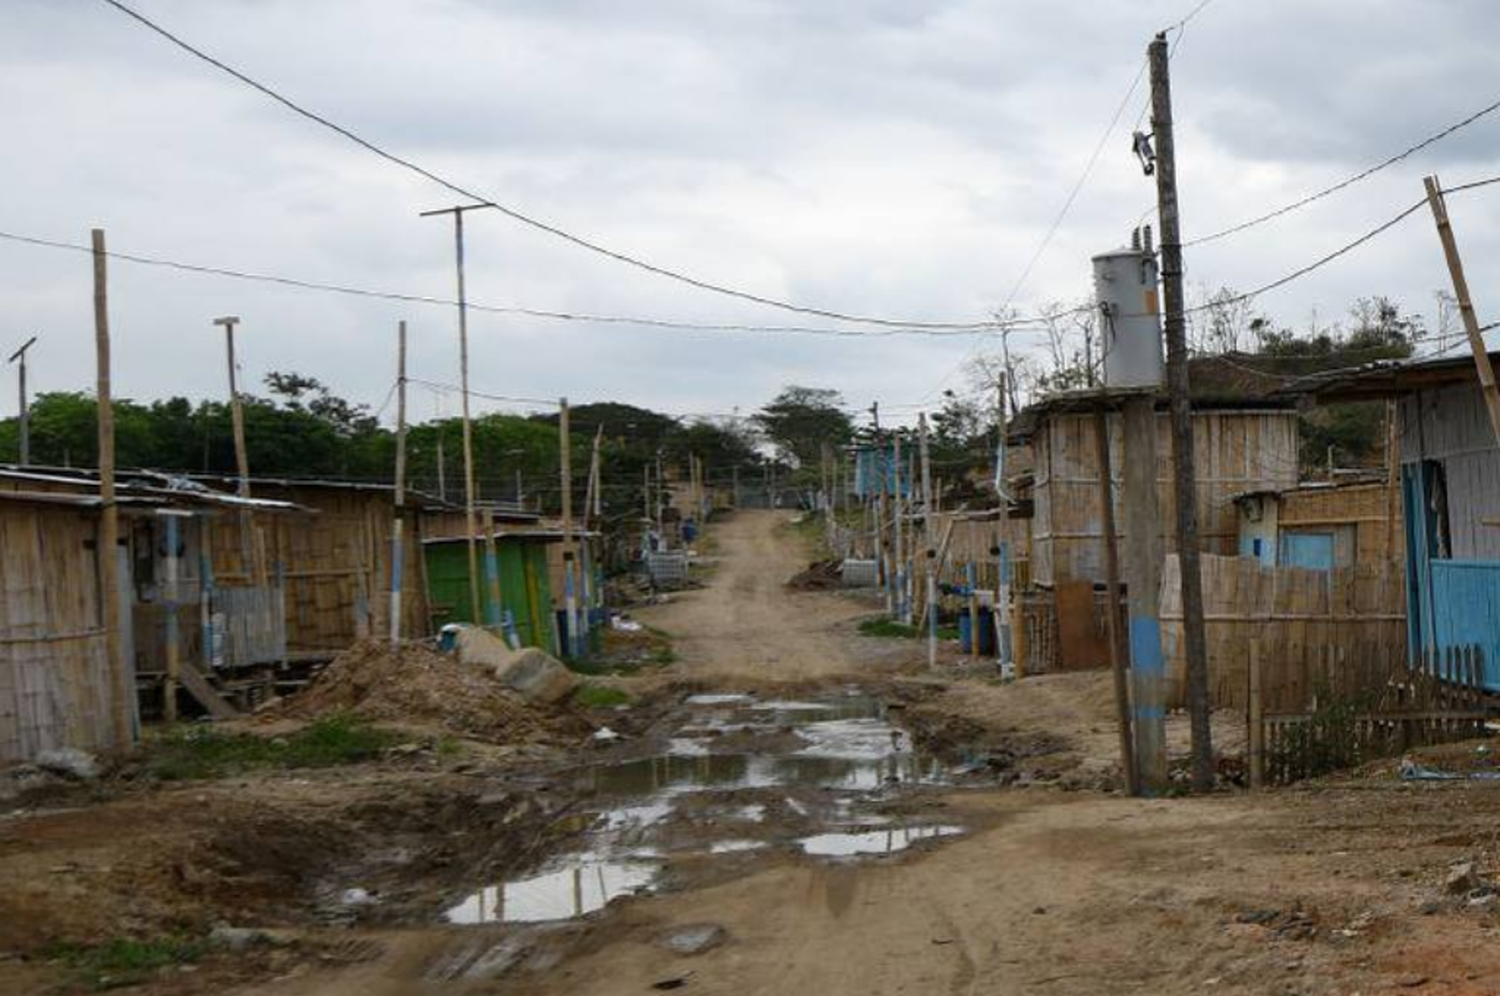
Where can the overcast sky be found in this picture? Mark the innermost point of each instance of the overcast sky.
(891, 157)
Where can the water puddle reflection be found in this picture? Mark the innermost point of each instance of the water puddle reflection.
(887, 841)
(735, 775)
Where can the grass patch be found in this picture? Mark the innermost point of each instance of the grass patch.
(890, 629)
(198, 752)
(591, 696)
(125, 961)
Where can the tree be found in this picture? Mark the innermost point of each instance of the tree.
(800, 420)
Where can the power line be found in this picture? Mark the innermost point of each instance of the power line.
(516, 215)
(1019, 324)
(1348, 181)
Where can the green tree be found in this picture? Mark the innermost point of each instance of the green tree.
(800, 420)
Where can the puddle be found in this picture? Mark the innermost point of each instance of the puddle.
(730, 763)
(735, 846)
(584, 887)
(832, 845)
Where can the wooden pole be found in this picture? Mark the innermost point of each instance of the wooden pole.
(170, 601)
(1256, 722)
(1001, 610)
(903, 607)
(398, 525)
(929, 524)
(1392, 479)
(570, 549)
(109, 514)
(1117, 652)
(471, 524)
(250, 561)
(1185, 479)
(494, 615)
(24, 412)
(1143, 559)
(1482, 365)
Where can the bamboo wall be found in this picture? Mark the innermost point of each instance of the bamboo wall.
(335, 564)
(1234, 452)
(1289, 609)
(1364, 508)
(55, 689)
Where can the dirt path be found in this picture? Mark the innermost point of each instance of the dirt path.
(1326, 890)
(746, 624)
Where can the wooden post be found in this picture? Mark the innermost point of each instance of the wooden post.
(494, 614)
(1143, 560)
(398, 525)
(903, 605)
(471, 524)
(171, 600)
(1482, 365)
(928, 524)
(108, 549)
(570, 552)
(24, 410)
(1002, 608)
(1392, 479)
(251, 562)
(1185, 480)
(1117, 653)
(1256, 722)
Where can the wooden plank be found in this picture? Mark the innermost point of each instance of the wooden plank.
(206, 695)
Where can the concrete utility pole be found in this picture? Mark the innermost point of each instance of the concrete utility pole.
(903, 606)
(1185, 480)
(470, 523)
(19, 358)
(1482, 364)
(250, 561)
(882, 491)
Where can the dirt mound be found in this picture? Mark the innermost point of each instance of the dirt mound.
(419, 686)
(821, 575)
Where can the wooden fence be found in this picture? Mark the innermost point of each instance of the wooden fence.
(1293, 612)
(1332, 707)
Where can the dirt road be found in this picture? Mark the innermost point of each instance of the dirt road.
(1331, 889)
(746, 625)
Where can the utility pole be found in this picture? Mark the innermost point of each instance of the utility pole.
(470, 523)
(902, 605)
(398, 526)
(108, 548)
(1185, 479)
(19, 358)
(1001, 608)
(930, 559)
(250, 561)
(570, 546)
(882, 559)
(1481, 353)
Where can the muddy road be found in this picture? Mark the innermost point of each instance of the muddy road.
(788, 807)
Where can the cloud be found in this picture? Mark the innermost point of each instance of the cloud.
(874, 156)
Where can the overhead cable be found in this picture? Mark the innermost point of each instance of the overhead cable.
(568, 316)
(479, 197)
(1348, 181)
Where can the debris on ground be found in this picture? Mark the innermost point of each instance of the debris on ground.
(532, 673)
(416, 685)
(70, 762)
(694, 938)
(820, 575)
